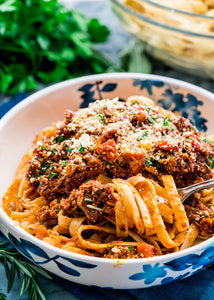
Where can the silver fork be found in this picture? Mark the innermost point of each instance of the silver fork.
(184, 193)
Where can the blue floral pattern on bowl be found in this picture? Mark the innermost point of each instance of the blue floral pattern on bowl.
(29, 249)
(190, 261)
(171, 99)
(150, 274)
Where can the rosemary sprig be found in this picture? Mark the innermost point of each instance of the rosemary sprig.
(2, 296)
(27, 272)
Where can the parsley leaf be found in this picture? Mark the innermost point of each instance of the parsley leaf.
(148, 109)
(148, 162)
(166, 121)
(135, 102)
(53, 151)
(108, 163)
(44, 167)
(63, 43)
(81, 149)
(53, 174)
(212, 161)
(64, 163)
(207, 141)
(143, 136)
(150, 119)
(100, 118)
(60, 139)
(208, 164)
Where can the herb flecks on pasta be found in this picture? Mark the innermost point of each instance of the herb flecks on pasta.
(125, 159)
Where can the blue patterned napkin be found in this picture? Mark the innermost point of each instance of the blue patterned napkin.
(197, 287)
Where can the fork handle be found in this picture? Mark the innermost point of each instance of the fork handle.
(187, 191)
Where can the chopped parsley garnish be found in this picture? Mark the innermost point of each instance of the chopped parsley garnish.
(117, 163)
(148, 109)
(100, 118)
(143, 136)
(212, 163)
(130, 248)
(81, 149)
(44, 167)
(35, 175)
(150, 119)
(207, 141)
(64, 163)
(135, 102)
(148, 162)
(53, 174)
(157, 165)
(172, 128)
(53, 151)
(68, 149)
(189, 139)
(19, 197)
(134, 114)
(184, 148)
(108, 163)
(60, 139)
(166, 121)
(210, 205)
(43, 147)
(58, 210)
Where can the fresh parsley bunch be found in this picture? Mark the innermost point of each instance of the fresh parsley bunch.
(41, 41)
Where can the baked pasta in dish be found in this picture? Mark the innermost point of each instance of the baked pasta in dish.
(102, 182)
(178, 32)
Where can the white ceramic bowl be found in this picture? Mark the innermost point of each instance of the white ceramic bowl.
(17, 131)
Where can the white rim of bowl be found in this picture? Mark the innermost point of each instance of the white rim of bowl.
(24, 103)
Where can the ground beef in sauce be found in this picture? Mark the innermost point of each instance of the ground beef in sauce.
(99, 195)
(120, 140)
(139, 251)
(120, 252)
(117, 139)
(202, 216)
(47, 215)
